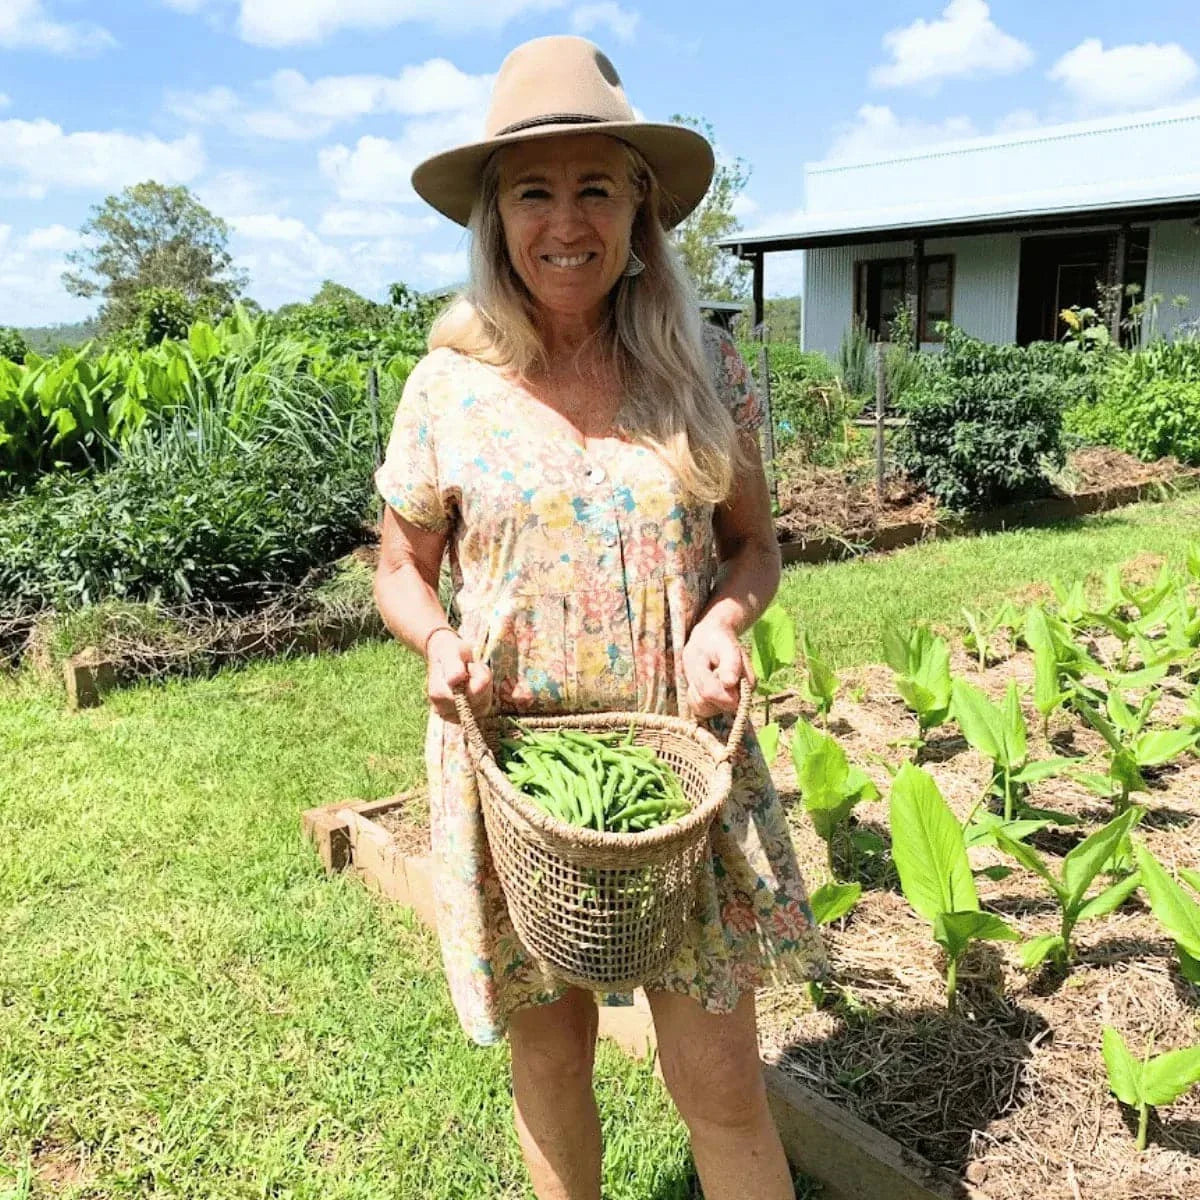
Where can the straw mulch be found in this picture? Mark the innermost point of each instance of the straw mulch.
(1011, 1094)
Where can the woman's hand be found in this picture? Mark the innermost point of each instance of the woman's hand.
(451, 664)
(714, 664)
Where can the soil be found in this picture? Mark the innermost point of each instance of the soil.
(840, 502)
(1011, 1093)
(408, 824)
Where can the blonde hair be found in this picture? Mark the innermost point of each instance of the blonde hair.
(654, 339)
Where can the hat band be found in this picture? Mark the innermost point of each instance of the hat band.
(551, 119)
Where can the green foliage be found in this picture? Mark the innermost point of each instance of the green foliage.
(809, 406)
(716, 273)
(1175, 910)
(772, 649)
(818, 683)
(997, 731)
(13, 345)
(984, 424)
(856, 362)
(350, 325)
(1156, 1080)
(829, 786)
(1080, 867)
(151, 236)
(921, 661)
(181, 528)
(1147, 403)
(1131, 747)
(832, 901)
(162, 314)
(935, 875)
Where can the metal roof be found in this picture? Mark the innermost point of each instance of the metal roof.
(1139, 167)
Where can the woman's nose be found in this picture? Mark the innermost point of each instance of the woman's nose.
(566, 215)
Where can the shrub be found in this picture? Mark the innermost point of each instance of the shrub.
(13, 345)
(809, 407)
(218, 530)
(1148, 403)
(985, 423)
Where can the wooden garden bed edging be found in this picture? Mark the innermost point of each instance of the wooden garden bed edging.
(853, 1160)
(1012, 516)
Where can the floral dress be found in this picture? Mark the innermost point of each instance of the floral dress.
(578, 575)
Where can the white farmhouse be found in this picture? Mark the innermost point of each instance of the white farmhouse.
(998, 234)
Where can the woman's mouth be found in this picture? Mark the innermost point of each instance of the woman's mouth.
(568, 262)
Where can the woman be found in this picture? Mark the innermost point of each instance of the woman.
(584, 449)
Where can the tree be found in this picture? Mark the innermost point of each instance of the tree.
(151, 236)
(717, 274)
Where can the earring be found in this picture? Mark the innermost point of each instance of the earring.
(634, 266)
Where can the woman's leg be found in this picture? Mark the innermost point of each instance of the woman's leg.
(553, 1050)
(711, 1066)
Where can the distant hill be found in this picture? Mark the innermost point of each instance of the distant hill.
(45, 339)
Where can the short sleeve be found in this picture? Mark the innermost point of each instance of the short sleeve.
(408, 477)
(732, 379)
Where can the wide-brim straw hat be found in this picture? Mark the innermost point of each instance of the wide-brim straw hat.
(556, 85)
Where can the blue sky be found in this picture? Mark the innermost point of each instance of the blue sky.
(298, 121)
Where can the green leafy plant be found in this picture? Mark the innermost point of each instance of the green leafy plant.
(832, 901)
(818, 683)
(772, 650)
(829, 786)
(921, 661)
(998, 733)
(1079, 869)
(1174, 909)
(1155, 1080)
(1132, 748)
(768, 741)
(984, 423)
(931, 859)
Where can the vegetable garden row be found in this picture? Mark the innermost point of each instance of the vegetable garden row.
(1026, 1015)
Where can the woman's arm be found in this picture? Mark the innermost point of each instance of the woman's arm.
(406, 593)
(748, 552)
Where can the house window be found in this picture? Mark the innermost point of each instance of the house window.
(882, 285)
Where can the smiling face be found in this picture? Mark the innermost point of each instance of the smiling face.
(567, 206)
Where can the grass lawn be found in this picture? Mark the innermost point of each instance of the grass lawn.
(847, 606)
(189, 1008)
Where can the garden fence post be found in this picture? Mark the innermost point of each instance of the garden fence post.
(880, 400)
(764, 387)
(373, 406)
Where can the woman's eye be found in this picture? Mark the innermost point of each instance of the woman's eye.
(594, 191)
(534, 194)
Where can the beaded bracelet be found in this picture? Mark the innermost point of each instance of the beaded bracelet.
(429, 635)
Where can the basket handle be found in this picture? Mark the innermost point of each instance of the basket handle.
(466, 716)
(739, 722)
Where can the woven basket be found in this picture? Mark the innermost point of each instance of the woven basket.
(605, 911)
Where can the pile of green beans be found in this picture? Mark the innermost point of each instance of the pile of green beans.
(599, 781)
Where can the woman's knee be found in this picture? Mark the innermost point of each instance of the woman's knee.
(554, 1042)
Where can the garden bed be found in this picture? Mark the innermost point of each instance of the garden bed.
(833, 512)
(1012, 1094)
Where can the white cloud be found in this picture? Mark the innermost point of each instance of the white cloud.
(876, 132)
(377, 170)
(963, 42)
(296, 22)
(38, 155)
(270, 227)
(744, 206)
(1124, 77)
(238, 192)
(620, 21)
(31, 291)
(52, 237)
(287, 261)
(25, 25)
(373, 222)
(289, 106)
(445, 267)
